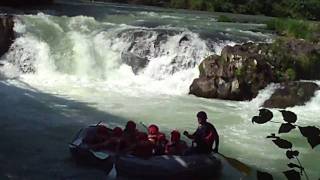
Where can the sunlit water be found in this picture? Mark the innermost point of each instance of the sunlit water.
(76, 55)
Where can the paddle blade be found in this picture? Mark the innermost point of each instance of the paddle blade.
(240, 166)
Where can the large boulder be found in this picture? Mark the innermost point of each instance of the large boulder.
(6, 33)
(242, 70)
(291, 94)
(235, 75)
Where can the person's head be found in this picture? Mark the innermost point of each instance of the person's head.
(175, 136)
(202, 117)
(117, 132)
(131, 126)
(153, 129)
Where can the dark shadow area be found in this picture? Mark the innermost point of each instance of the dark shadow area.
(35, 129)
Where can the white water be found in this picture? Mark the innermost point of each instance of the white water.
(79, 58)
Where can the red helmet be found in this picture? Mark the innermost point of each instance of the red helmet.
(153, 129)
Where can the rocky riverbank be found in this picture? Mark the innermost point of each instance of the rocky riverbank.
(241, 71)
(6, 33)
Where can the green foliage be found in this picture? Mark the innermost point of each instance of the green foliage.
(311, 133)
(306, 9)
(294, 28)
(178, 3)
(303, 62)
(302, 9)
(201, 68)
(224, 18)
(238, 72)
(291, 74)
(291, 63)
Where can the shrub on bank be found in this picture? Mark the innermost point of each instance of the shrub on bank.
(295, 28)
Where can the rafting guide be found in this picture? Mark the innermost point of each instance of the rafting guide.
(204, 136)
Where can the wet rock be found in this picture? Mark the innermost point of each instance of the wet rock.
(136, 62)
(233, 76)
(185, 38)
(6, 33)
(242, 70)
(292, 94)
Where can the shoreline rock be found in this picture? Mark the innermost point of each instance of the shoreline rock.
(241, 71)
(6, 33)
(291, 94)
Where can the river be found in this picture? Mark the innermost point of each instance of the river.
(65, 70)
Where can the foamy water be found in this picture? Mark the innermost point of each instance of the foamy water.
(79, 58)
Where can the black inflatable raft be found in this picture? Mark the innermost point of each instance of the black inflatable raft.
(193, 167)
(169, 167)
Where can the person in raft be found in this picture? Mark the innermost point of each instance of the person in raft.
(204, 137)
(143, 148)
(97, 136)
(113, 143)
(176, 146)
(130, 133)
(158, 139)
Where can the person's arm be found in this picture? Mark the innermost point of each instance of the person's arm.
(216, 148)
(190, 136)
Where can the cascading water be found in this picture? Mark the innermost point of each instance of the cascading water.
(139, 65)
(71, 46)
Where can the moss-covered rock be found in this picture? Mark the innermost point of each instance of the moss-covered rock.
(241, 71)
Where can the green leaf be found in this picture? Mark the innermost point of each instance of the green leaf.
(309, 131)
(291, 154)
(286, 127)
(314, 141)
(312, 133)
(292, 175)
(289, 116)
(281, 143)
(293, 165)
(256, 119)
(264, 176)
(272, 136)
(265, 114)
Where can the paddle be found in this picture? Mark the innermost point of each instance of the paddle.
(240, 166)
